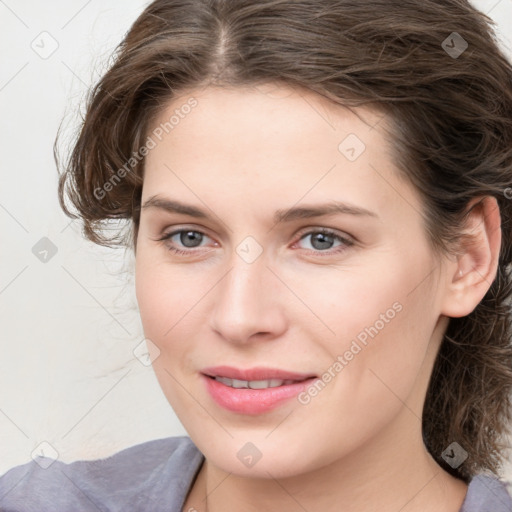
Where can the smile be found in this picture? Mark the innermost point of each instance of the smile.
(253, 391)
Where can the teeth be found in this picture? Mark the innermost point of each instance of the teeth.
(253, 384)
(262, 384)
(235, 383)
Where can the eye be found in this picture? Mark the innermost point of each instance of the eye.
(323, 239)
(187, 238)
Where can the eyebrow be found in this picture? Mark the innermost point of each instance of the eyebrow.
(285, 215)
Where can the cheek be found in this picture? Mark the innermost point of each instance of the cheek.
(171, 305)
(383, 330)
(149, 296)
(164, 295)
(385, 306)
(164, 302)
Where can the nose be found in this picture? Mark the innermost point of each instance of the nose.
(248, 303)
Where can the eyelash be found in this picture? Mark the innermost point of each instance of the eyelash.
(346, 242)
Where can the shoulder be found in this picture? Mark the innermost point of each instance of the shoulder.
(487, 494)
(155, 475)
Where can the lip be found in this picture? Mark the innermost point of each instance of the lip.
(253, 401)
(259, 373)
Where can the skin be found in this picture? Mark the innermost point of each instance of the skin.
(240, 155)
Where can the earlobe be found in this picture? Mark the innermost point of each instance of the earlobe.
(470, 276)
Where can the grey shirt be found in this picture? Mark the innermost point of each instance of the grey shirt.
(150, 477)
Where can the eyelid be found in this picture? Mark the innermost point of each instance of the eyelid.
(323, 229)
(302, 232)
(167, 235)
(176, 228)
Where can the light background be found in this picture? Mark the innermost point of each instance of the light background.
(68, 375)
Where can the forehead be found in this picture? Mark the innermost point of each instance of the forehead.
(265, 109)
(264, 139)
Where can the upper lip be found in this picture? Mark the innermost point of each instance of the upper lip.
(259, 373)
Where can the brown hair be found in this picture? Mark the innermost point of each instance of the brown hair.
(450, 109)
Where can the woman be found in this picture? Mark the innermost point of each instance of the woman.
(317, 196)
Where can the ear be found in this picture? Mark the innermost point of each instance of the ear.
(470, 276)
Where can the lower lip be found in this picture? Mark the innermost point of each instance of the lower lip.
(253, 401)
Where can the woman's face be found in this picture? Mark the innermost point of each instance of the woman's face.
(304, 273)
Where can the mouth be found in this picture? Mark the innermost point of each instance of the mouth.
(253, 391)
